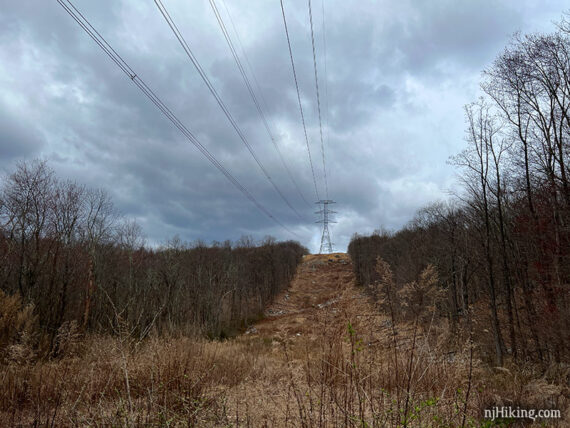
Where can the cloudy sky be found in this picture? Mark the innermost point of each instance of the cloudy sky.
(397, 76)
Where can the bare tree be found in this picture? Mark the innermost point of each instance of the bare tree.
(476, 161)
(25, 212)
(100, 217)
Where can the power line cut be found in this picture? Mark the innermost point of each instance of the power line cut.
(299, 100)
(318, 99)
(258, 105)
(122, 64)
(215, 94)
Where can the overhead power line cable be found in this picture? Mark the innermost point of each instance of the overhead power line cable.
(299, 100)
(122, 64)
(249, 66)
(254, 98)
(318, 100)
(327, 116)
(221, 103)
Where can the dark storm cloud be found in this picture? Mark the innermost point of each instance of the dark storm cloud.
(17, 140)
(397, 75)
(465, 32)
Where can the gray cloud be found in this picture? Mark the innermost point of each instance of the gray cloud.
(397, 75)
(17, 140)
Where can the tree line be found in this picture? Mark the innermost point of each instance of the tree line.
(501, 244)
(70, 263)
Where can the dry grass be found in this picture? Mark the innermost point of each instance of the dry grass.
(324, 356)
(162, 381)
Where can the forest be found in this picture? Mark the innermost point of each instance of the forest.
(70, 264)
(501, 245)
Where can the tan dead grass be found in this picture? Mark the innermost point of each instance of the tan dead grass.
(324, 356)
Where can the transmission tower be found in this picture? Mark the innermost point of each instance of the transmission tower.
(326, 244)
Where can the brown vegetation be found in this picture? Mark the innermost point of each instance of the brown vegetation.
(324, 355)
(71, 263)
(498, 255)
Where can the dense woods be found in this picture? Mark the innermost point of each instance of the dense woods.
(70, 264)
(502, 245)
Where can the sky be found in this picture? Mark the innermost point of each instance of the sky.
(392, 84)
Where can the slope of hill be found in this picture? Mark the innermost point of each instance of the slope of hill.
(323, 355)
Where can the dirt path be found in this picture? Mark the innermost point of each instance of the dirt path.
(319, 285)
(323, 287)
(302, 340)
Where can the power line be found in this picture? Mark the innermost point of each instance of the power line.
(326, 244)
(299, 99)
(252, 93)
(318, 100)
(264, 102)
(122, 64)
(326, 74)
(215, 94)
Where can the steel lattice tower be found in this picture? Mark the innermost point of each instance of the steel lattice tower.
(326, 212)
